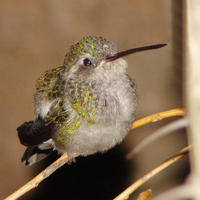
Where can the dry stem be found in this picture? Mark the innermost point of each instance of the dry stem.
(39, 178)
(158, 116)
(126, 193)
(161, 132)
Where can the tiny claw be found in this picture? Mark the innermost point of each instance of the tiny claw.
(71, 160)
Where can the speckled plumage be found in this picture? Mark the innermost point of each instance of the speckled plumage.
(97, 47)
(93, 106)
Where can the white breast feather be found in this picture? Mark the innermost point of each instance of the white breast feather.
(45, 107)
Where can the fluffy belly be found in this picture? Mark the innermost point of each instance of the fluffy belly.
(89, 140)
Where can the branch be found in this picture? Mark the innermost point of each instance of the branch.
(39, 178)
(126, 193)
(163, 131)
(158, 116)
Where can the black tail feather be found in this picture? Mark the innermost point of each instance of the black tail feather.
(35, 132)
(31, 155)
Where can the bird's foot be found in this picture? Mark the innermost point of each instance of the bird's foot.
(71, 158)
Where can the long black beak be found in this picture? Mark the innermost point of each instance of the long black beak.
(134, 50)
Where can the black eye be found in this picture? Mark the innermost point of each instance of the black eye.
(87, 62)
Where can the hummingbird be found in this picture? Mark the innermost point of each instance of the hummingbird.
(85, 106)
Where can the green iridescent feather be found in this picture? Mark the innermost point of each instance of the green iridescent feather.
(51, 86)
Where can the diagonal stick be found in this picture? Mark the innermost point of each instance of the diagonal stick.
(126, 193)
(157, 117)
(39, 178)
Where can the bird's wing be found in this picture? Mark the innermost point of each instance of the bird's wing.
(41, 129)
(49, 84)
(50, 89)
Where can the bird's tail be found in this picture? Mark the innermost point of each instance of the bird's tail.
(36, 135)
(35, 153)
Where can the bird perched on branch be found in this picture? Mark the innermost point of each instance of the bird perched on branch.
(85, 106)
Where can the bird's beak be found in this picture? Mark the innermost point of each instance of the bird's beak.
(134, 50)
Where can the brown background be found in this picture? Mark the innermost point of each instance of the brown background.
(35, 35)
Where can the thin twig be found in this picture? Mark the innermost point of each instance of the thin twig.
(126, 193)
(39, 178)
(161, 132)
(158, 116)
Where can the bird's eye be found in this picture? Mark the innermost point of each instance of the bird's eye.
(87, 62)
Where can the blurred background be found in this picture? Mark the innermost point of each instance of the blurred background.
(34, 37)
